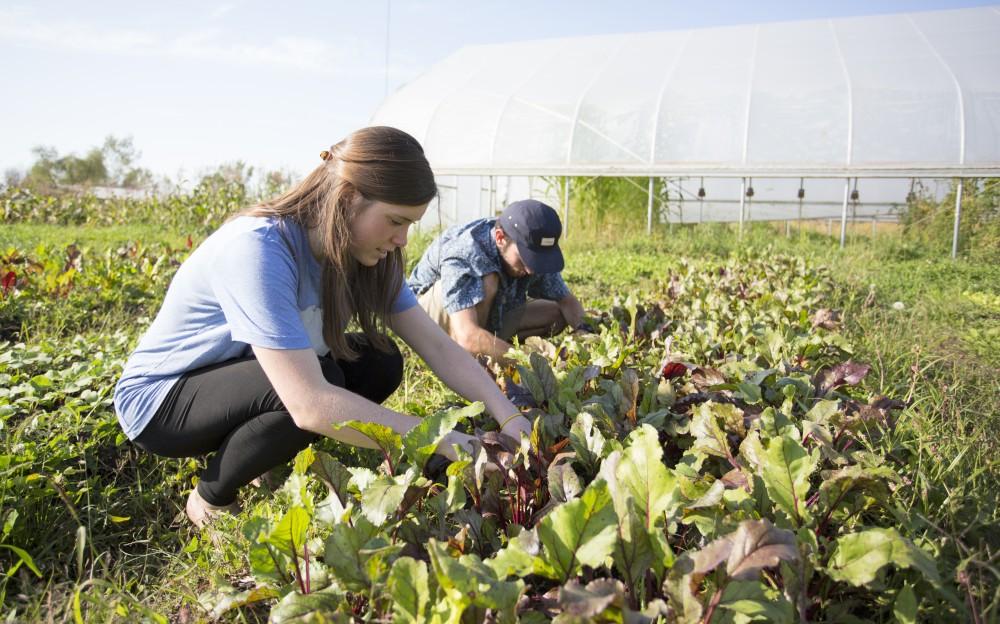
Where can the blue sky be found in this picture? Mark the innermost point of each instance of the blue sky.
(197, 84)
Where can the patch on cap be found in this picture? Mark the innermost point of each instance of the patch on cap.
(547, 242)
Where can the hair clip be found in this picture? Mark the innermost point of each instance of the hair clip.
(325, 154)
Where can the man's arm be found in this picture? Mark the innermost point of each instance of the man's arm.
(571, 310)
(468, 333)
(467, 326)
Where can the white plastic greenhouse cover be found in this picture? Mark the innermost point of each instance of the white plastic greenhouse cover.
(901, 95)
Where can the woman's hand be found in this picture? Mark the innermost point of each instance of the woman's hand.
(515, 425)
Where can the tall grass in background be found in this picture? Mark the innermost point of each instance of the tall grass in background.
(620, 204)
(198, 212)
(598, 206)
(930, 223)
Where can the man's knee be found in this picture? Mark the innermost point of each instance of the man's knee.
(538, 317)
(558, 321)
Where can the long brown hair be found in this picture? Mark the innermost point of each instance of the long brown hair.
(381, 164)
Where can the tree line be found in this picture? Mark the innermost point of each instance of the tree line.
(115, 164)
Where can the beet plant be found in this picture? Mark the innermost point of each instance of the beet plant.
(704, 456)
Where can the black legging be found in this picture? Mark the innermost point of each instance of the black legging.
(232, 409)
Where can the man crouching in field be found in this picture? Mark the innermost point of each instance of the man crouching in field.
(492, 279)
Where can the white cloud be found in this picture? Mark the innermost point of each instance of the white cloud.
(21, 26)
(221, 10)
(296, 52)
(345, 56)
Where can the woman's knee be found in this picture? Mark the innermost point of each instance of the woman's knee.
(375, 374)
(394, 366)
(388, 373)
(332, 371)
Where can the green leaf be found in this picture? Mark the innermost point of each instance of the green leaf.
(331, 472)
(775, 343)
(329, 511)
(290, 533)
(751, 392)
(858, 557)
(752, 450)
(564, 484)
(409, 590)
(224, 599)
(580, 532)
(546, 378)
(822, 437)
(905, 606)
(774, 423)
(422, 441)
(467, 581)
(837, 483)
(634, 551)
(387, 440)
(755, 545)
(591, 601)
(361, 478)
(519, 558)
(24, 557)
(823, 411)
(455, 492)
(298, 607)
(266, 562)
(709, 436)
(650, 485)
(534, 385)
(305, 458)
(587, 440)
(299, 492)
(41, 381)
(786, 471)
(755, 602)
(347, 555)
(383, 497)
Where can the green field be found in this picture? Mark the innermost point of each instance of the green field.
(740, 451)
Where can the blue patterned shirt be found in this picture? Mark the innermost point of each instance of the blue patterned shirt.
(461, 256)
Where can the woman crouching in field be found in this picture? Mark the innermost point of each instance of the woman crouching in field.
(248, 357)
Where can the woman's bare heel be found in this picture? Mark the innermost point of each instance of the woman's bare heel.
(200, 512)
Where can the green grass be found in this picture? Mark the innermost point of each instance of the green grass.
(29, 235)
(940, 351)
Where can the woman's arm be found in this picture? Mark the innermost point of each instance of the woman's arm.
(316, 405)
(456, 368)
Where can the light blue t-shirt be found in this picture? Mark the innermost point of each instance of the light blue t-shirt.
(254, 281)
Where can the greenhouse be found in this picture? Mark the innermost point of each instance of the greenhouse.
(832, 119)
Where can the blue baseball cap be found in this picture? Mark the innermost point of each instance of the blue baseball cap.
(535, 229)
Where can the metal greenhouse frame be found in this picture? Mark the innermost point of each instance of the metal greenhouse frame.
(890, 97)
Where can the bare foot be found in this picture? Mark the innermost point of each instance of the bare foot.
(200, 512)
